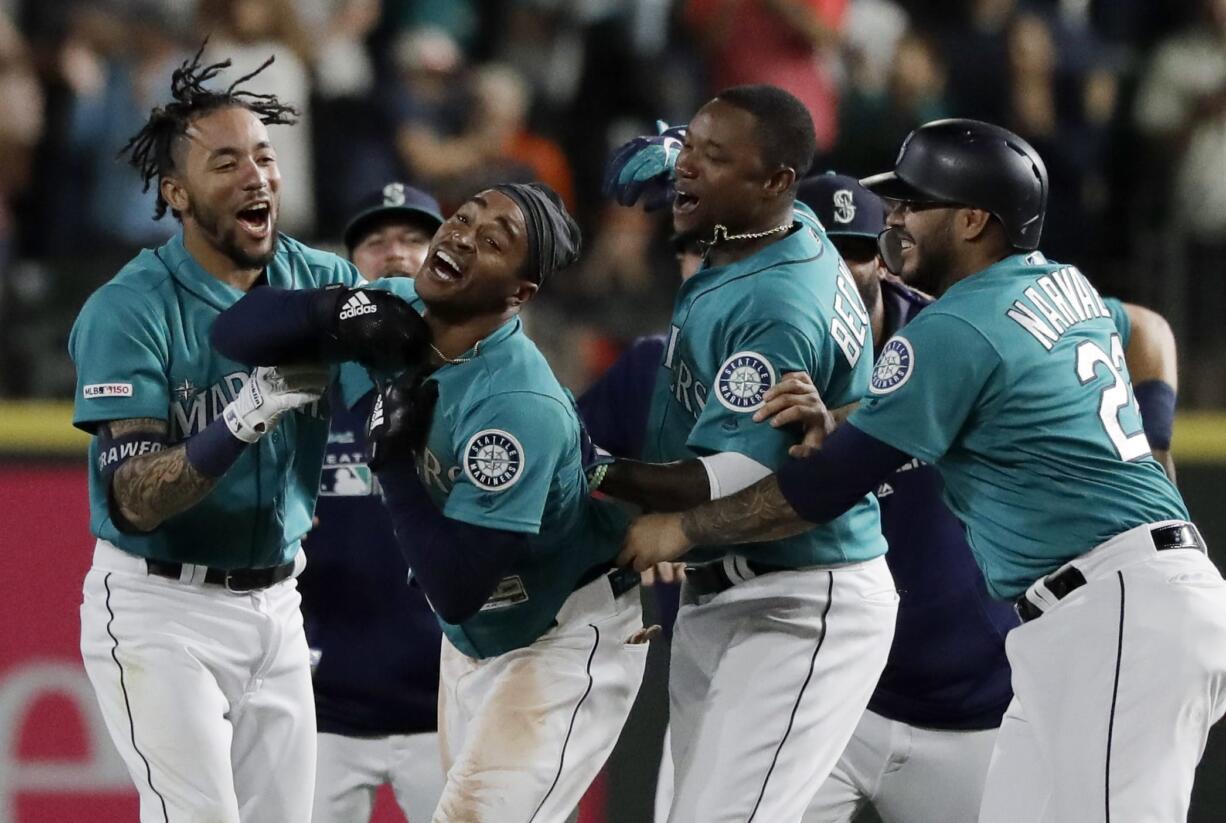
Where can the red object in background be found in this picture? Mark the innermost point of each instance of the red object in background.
(57, 764)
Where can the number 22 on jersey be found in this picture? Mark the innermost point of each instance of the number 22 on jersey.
(1115, 397)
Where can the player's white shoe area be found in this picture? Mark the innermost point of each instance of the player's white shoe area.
(213, 711)
(525, 733)
(768, 680)
(908, 774)
(1116, 687)
(351, 769)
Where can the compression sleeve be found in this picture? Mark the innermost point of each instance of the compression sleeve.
(849, 465)
(457, 564)
(269, 326)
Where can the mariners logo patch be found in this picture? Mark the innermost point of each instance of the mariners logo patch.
(893, 367)
(743, 380)
(493, 460)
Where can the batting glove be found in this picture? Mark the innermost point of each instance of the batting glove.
(371, 326)
(269, 393)
(645, 169)
(400, 419)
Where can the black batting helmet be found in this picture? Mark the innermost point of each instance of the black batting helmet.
(971, 163)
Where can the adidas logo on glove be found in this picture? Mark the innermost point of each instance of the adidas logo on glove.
(357, 305)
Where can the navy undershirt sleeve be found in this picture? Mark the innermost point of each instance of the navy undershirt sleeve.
(458, 565)
(269, 326)
(849, 465)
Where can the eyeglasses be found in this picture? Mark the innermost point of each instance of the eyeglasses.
(916, 206)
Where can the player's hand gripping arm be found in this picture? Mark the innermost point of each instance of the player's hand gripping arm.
(815, 489)
(158, 483)
(795, 400)
(1152, 361)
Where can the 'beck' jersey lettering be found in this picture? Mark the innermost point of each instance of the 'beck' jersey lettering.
(503, 453)
(141, 350)
(736, 331)
(1014, 386)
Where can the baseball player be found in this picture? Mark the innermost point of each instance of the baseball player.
(765, 687)
(542, 653)
(203, 477)
(920, 752)
(1014, 385)
(374, 641)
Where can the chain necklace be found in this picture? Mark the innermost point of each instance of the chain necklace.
(457, 360)
(721, 229)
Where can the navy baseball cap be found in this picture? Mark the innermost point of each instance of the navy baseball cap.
(393, 199)
(845, 207)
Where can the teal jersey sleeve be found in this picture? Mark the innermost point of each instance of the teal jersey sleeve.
(121, 352)
(928, 380)
(509, 448)
(1119, 316)
(355, 382)
(756, 359)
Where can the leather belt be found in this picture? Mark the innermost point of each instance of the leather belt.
(235, 580)
(620, 580)
(1068, 580)
(712, 578)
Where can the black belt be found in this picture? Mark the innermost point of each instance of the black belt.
(712, 578)
(235, 580)
(620, 580)
(1062, 583)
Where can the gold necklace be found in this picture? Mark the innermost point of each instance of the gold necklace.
(721, 229)
(457, 360)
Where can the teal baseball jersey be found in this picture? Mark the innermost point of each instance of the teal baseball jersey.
(141, 350)
(736, 330)
(1013, 384)
(503, 453)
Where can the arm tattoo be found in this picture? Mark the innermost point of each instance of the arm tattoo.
(661, 487)
(752, 515)
(150, 488)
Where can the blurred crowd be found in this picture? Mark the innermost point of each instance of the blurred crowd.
(1125, 100)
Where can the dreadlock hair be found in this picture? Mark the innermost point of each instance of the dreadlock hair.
(151, 150)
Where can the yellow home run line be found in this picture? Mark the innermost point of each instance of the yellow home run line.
(33, 428)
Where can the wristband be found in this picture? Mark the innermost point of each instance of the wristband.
(215, 449)
(1156, 401)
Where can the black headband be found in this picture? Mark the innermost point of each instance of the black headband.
(554, 240)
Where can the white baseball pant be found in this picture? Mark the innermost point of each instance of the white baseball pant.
(907, 773)
(206, 693)
(1115, 688)
(351, 769)
(525, 733)
(767, 682)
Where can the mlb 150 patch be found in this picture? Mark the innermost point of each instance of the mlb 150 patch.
(894, 366)
(96, 390)
(743, 381)
(493, 460)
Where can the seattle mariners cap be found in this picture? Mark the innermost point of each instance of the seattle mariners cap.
(845, 208)
(393, 199)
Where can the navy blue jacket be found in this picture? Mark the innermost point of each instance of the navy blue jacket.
(375, 636)
(947, 668)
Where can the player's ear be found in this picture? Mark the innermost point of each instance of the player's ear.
(779, 182)
(174, 194)
(526, 291)
(972, 224)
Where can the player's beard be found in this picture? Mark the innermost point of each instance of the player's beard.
(934, 259)
(227, 242)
